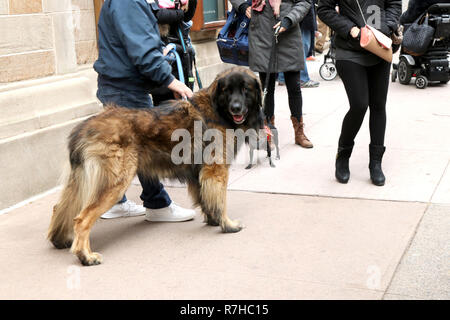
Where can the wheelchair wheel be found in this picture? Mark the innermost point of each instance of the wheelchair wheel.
(421, 82)
(394, 75)
(404, 71)
(328, 71)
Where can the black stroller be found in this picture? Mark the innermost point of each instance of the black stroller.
(434, 65)
(328, 69)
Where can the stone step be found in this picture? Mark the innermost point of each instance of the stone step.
(41, 98)
(37, 117)
(47, 119)
(32, 163)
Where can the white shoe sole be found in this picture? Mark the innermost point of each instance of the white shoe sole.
(120, 215)
(111, 216)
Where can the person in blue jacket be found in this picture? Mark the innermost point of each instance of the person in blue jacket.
(130, 64)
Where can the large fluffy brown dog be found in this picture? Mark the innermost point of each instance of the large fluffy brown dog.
(107, 150)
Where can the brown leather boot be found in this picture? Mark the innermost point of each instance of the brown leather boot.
(300, 137)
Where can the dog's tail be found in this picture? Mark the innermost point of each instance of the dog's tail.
(81, 189)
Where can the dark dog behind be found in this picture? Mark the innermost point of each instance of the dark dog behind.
(107, 150)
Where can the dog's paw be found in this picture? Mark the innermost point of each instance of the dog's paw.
(278, 157)
(62, 244)
(249, 166)
(91, 259)
(272, 164)
(232, 226)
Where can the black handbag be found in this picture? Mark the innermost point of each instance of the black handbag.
(232, 40)
(418, 36)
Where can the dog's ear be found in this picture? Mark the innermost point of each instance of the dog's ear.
(258, 92)
(215, 90)
(258, 103)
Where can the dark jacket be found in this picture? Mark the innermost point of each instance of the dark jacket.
(130, 47)
(416, 8)
(289, 56)
(309, 22)
(349, 16)
(171, 22)
(174, 17)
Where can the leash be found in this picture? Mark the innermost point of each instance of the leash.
(271, 67)
(272, 63)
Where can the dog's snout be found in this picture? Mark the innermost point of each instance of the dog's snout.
(236, 107)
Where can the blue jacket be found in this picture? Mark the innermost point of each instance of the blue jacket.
(130, 46)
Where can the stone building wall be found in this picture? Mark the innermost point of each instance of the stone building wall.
(39, 38)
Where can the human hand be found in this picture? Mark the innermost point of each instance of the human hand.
(248, 12)
(166, 50)
(397, 36)
(354, 32)
(180, 89)
(282, 29)
(185, 6)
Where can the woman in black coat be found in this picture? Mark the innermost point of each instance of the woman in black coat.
(289, 57)
(365, 76)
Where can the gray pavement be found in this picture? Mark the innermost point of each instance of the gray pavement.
(306, 236)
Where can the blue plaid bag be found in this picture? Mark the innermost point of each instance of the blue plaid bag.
(232, 40)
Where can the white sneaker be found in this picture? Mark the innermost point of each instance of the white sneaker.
(126, 209)
(172, 213)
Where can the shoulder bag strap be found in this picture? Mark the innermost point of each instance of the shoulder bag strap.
(362, 14)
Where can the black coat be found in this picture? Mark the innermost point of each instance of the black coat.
(349, 16)
(416, 8)
(173, 18)
(309, 22)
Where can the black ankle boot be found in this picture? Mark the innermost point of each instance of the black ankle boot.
(376, 156)
(342, 168)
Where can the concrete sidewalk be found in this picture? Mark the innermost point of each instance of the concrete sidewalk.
(306, 236)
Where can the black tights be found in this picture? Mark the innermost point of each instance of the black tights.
(365, 87)
(292, 79)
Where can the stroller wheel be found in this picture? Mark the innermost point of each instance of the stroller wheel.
(421, 82)
(394, 75)
(328, 71)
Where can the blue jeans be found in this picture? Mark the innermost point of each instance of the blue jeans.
(128, 95)
(306, 40)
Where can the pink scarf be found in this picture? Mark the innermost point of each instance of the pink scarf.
(258, 5)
